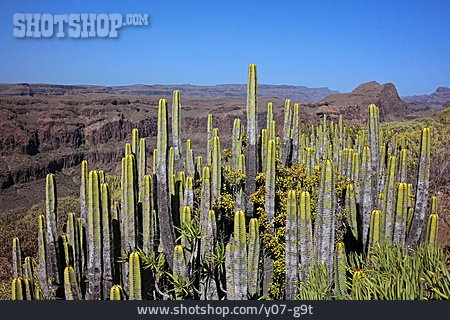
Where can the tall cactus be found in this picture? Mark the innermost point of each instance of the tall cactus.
(71, 289)
(176, 129)
(163, 204)
(52, 251)
(387, 218)
(340, 270)
(365, 193)
(107, 240)
(291, 255)
(374, 143)
(433, 223)
(350, 207)
(148, 216)
(252, 138)
(295, 134)
(286, 148)
(216, 172)
(375, 228)
(142, 163)
(325, 216)
(84, 190)
(236, 143)
(423, 182)
(94, 238)
(270, 183)
(305, 234)
(16, 258)
(253, 258)
(240, 256)
(401, 211)
(135, 285)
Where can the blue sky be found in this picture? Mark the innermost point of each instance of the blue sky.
(338, 44)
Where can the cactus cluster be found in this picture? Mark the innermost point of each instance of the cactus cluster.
(251, 225)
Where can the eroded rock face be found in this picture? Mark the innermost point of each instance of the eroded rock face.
(385, 96)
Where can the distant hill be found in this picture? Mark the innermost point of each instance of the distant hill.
(438, 99)
(385, 96)
(296, 93)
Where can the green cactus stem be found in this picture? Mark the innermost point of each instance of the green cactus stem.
(134, 265)
(423, 181)
(16, 258)
(176, 130)
(163, 200)
(71, 289)
(253, 258)
(252, 138)
(291, 252)
(240, 256)
(305, 234)
(116, 293)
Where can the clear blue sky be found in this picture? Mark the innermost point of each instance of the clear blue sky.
(338, 44)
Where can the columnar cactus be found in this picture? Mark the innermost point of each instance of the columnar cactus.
(16, 258)
(286, 148)
(216, 181)
(71, 289)
(240, 256)
(365, 193)
(269, 116)
(94, 238)
(433, 223)
(252, 138)
(148, 216)
(350, 207)
(305, 234)
(142, 163)
(401, 211)
(325, 216)
(236, 143)
(374, 143)
(107, 240)
(116, 293)
(51, 242)
(295, 134)
(84, 190)
(253, 258)
(163, 200)
(375, 228)
(135, 284)
(129, 196)
(291, 253)
(423, 182)
(340, 270)
(230, 269)
(190, 168)
(270, 182)
(17, 289)
(387, 218)
(176, 129)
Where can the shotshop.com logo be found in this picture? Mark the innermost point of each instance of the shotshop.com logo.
(74, 25)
